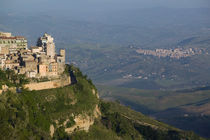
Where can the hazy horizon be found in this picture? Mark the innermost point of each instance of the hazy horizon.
(80, 6)
(112, 12)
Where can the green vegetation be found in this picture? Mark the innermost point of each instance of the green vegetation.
(120, 122)
(102, 53)
(177, 108)
(30, 113)
(97, 131)
(11, 79)
(44, 79)
(130, 121)
(70, 123)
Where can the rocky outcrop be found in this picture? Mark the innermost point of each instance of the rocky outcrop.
(5, 88)
(52, 130)
(83, 122)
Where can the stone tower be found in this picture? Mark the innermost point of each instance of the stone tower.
(63, 53)
(48, 45)
(50, 49)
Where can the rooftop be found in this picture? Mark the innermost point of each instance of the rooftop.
(13, 37)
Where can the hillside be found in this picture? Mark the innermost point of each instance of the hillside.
(175, 107)
(55, 112)
(69, 112)
(120, 122)
(103, 39)
(10, 79)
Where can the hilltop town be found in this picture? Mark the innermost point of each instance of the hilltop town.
(35, 62)
(176, 53)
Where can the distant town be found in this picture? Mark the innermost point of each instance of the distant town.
(172, 53)
(35, 62)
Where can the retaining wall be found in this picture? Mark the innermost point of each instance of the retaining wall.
(49, 84)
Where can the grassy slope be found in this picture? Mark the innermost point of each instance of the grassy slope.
(30, 113)
(177, 108)
(120, 122)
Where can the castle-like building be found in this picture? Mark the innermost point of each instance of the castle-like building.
(38, 61)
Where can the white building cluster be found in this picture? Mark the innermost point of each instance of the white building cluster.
(172, 53)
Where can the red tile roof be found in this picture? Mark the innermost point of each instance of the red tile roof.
(13, 37)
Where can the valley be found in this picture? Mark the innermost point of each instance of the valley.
(185, 109)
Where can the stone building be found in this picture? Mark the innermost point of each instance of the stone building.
(11, 44)
(60, 59)
(48, 45)
(36, 49)
(38, 61)
(5, 34)
(2, 61)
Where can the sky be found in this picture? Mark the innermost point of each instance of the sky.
(110, 12)
(91, 10)
(95, 5)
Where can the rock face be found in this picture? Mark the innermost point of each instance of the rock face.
(52, 130)
(84, 122)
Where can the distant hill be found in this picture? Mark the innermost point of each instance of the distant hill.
(197, 41)
(186, 41)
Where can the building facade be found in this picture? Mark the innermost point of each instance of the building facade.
(11, 44)
(38, 61)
